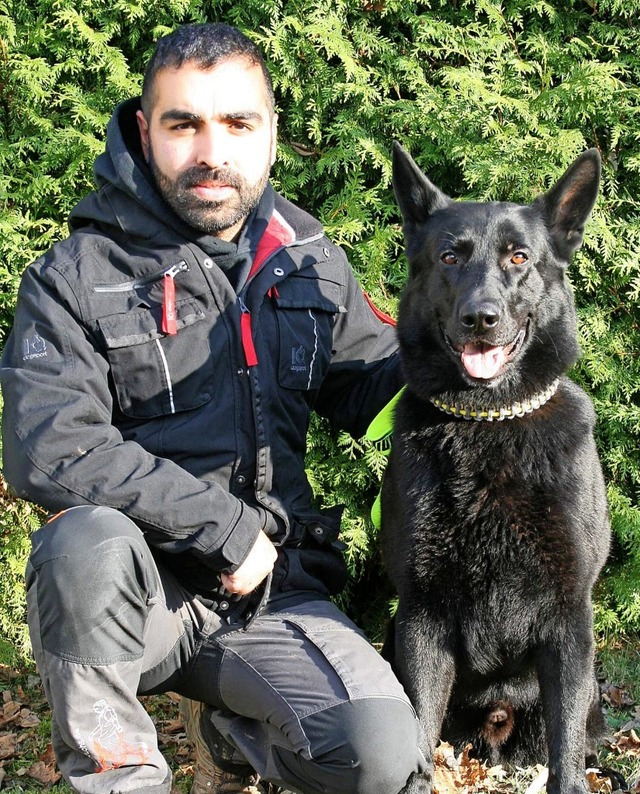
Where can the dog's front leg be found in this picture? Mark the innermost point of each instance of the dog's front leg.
(565, 675)
(425, 666)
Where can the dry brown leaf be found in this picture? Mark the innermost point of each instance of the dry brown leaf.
(444, 778)
(47, 774)
(8, 744)
(461, 773)
(444, 781)
(444, 755)
(47, 755)
(183, 752)
(627, 743)
(472, 772)
(11, 708)
(27, 719)
(45, 770)
(7, 673)
(616, 696)
(172, 726)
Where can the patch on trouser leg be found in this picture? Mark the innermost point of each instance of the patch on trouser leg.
(107, 744)
(103, 738)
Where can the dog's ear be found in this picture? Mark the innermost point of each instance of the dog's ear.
(569, 202)
(417, 197)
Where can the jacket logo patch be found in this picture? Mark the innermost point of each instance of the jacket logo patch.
(34, 347)
(298, 359)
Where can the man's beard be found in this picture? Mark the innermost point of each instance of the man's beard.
(209, 217)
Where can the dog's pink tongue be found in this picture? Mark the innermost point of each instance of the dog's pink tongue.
(482, 361)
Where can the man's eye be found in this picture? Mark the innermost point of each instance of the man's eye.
(449, 258)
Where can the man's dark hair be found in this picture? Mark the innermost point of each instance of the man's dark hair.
(206, 45)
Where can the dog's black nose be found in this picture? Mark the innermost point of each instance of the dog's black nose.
(480, 317)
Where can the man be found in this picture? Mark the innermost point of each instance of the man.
(158, 384)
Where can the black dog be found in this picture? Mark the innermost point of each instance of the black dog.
(494, 514)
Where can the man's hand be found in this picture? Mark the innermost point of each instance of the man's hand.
(258, 564)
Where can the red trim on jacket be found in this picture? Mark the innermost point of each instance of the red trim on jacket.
(277, 234)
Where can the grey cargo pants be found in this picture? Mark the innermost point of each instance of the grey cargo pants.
(302, 694)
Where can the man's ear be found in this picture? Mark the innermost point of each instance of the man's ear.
(274, 138)
(143, 126)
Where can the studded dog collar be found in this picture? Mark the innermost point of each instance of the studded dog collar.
(450, 404)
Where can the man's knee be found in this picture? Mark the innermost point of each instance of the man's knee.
(82, 528)
(89, 577)
(374, 746)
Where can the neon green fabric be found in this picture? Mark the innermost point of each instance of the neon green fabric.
(379, 433)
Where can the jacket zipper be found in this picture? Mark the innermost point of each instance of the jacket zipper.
(129, 286)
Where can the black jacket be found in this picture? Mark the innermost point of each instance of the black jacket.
(196, 432)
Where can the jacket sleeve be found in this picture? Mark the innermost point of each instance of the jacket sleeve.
(364, 373)
(60, 448)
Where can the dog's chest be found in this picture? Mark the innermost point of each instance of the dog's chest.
(488, 509)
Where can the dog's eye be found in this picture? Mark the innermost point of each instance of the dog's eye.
(518, 258)
(449, 258)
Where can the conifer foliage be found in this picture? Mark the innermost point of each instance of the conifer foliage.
(493, 98)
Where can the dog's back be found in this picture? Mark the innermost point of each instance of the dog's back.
(493, 507)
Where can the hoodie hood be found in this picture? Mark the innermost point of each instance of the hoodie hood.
(126, 197)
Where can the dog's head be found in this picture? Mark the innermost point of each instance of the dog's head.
(487, 304)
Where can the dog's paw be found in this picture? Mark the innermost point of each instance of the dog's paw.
(618, 783)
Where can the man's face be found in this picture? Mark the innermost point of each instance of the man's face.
(210, 142)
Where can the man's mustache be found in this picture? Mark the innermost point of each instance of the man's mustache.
(198, 176)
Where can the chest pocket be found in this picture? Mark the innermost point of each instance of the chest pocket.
(306, 308)
(154, 374)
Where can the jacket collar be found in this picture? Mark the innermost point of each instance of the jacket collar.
(277, 235)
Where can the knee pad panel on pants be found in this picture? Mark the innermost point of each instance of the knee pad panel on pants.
(365, 745)
(80, 528)
(90, 577)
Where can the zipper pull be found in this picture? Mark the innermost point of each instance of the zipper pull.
(169, 318)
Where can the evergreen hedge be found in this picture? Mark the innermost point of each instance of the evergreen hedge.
(493, 99)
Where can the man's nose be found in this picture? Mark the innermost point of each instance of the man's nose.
(214, 149)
